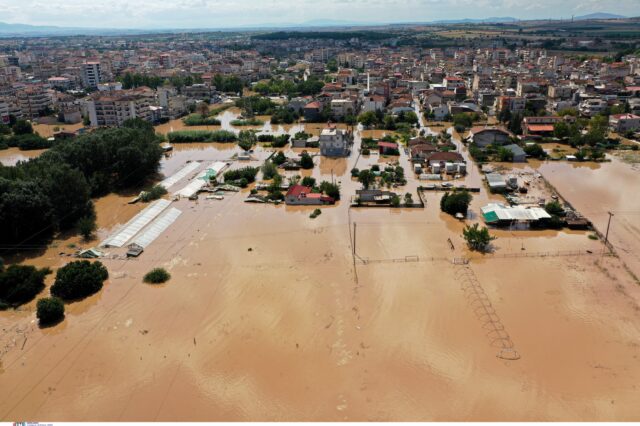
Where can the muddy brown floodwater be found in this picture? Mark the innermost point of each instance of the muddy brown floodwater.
(268, 317)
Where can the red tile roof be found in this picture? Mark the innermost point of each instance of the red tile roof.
(298, 190)
(540, 127)
(391, 145)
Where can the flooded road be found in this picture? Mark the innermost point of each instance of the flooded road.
(268, 317)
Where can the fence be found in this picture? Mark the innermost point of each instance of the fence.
(486, 314)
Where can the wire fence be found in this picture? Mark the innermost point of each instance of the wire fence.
(484, 311)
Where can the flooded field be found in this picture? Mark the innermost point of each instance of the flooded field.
(269, 316)
(226, 117)
(595, 190)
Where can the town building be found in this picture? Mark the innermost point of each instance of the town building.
(334, 142)
(91, 74)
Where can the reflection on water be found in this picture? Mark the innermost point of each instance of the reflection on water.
(11, 156)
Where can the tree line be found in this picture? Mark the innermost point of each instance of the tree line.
(53, 192)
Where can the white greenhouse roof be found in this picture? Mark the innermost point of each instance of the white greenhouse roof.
(139, 221)
(194, 186)
(179, 175)
(157, 227)
(515, 213)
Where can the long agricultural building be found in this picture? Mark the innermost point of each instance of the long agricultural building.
(499, 214)
(213, 170)
(144, 228)
(179, 175)
(156, 228)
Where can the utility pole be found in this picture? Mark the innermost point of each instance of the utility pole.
(354, 239)
(606, 237)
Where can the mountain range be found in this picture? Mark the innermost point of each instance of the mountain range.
(9, 30)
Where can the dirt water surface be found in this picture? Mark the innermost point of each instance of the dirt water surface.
(269, 317)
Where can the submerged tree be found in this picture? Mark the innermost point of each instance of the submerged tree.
(477, 238)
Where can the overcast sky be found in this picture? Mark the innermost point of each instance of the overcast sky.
(231, 13)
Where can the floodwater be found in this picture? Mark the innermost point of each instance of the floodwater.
(47, 130)
(269, 317)
(225, 118)
(595, 191)
(10, 156)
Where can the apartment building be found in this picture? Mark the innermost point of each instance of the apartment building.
(114, 108)
(91, 74)
(4, 112)
(33, 101)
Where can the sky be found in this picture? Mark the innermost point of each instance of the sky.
(160, 14)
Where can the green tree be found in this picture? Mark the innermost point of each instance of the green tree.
(535, 151)
(246, 139)
(19, 284)
(49, 310)
(561, 130)
(269, 170)
(22, 127)
(368, 118)
(308, 181)
(456, 202)
(477, 238)
(279, 158)
(87, 226)
(79, 279)
(505, 155)
(366, 178)
(306, 162)
(331, 189)
(554, 208)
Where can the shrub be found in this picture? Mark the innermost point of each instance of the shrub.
(395, 201)
(247, 122)
(554, 208)
(266, 138)
(200, 120)
(157, 276)
(153, 194)
(280, 141)
(19, 284)
(301, 135)
(246, 173)
(79, 279)
(276, 195)
(186, 136)
(49, 310)
(316, 213)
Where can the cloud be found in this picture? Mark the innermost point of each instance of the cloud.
(212, 13)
